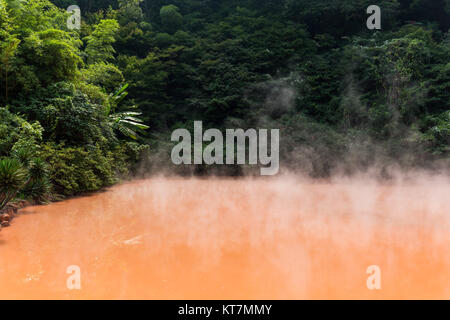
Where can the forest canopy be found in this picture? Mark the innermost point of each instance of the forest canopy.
(83, 106)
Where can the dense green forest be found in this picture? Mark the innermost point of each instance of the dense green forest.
(80, 109)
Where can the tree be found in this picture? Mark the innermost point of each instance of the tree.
(130, 11)
(171, 18)
(63, 120)
(127, 122)
(54, 54)
(7, 52)
(99, 43)
(104, 75)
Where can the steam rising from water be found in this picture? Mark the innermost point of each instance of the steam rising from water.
(285, 238)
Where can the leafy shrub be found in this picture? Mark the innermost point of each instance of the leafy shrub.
(80, 169)
(12, 179)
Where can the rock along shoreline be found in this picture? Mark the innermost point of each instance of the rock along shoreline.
(10, 211)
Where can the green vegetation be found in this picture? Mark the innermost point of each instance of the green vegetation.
(344, 97)
(59, 106)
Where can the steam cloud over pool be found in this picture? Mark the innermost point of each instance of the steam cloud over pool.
(285, 238)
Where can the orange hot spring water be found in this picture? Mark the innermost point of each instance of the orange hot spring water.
(284, 238)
